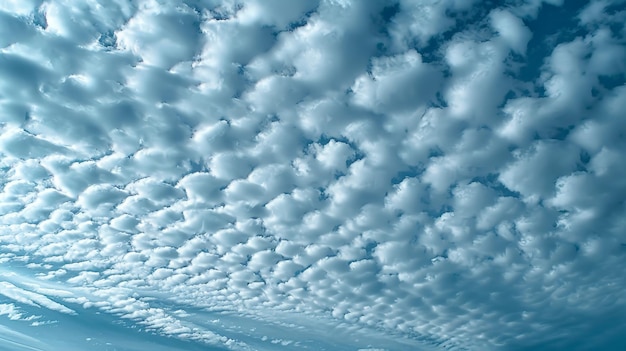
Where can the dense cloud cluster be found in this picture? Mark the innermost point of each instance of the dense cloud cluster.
(443, 173)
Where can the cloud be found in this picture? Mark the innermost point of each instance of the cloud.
(398, 82)
(511, 29)
(334, 174)
(31, 298)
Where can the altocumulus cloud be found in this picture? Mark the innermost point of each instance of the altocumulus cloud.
(312, 175)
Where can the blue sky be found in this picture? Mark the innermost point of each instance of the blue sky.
(312, 175)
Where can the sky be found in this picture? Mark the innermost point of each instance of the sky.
(341, 175)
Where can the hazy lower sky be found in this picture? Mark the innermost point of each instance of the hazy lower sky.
(341, 175)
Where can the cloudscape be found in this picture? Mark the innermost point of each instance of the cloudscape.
(341, 175)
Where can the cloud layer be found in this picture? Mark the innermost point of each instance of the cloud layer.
(415, 175)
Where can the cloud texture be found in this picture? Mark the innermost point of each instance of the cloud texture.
(315, 175)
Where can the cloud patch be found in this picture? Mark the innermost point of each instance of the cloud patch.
(354, 175)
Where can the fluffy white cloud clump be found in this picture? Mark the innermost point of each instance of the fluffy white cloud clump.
(254, 175)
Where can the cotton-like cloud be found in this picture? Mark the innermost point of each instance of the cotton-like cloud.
(329, 175)
(512, 30)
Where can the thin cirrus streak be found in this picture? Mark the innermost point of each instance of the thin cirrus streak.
(312, 175)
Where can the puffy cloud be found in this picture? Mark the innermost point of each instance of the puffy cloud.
(21, 144)
(160, 36)
(401, 82)
(511, 29)
(334, 174)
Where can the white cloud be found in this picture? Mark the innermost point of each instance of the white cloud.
(401, 82)
(32, 298)
(262, 175)
(10, 311)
